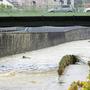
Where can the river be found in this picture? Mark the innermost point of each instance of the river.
(38, 69)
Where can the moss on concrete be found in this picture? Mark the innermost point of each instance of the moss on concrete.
(65, 61)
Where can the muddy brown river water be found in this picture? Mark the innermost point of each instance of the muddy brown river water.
(39, 70)
(43, 81)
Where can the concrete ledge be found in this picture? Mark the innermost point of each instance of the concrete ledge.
(17, 42)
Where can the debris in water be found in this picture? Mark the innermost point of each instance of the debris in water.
(25, 57)
(61, 82)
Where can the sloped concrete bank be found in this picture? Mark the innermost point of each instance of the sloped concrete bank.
(18, 42)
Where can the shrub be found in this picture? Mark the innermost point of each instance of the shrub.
(89, 63)
(84, 85)
(65, 61)
(73, 86)
(8, 7)
(80, 85)
(4, 7)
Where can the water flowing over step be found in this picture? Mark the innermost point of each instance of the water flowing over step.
(44, 60)
(74, 73)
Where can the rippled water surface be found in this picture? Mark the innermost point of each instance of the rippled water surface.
(44, 80)
(38, 70)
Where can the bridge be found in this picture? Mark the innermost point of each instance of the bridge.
(37, 21)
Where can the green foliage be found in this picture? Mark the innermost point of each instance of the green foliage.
(8, 7)
(81, 85)
(65, 61)
(73, 86)
(4, 7)
(84, 85)
(89, 64)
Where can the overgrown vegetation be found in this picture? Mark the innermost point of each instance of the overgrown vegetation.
(4, 7)
(65, 61)
(9, 11)
(89, 63)
(81, 85)
(73, 86)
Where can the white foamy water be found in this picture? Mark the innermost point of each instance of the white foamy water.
(16, 71)
(45, 59)
(43, 81)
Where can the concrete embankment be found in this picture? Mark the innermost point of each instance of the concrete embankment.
(18, 42)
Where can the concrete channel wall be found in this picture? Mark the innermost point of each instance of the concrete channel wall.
(80, 34)
(18, 42)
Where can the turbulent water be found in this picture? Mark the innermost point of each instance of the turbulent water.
(26, 65)
(37, 70)
(43, 81)
(45, 59)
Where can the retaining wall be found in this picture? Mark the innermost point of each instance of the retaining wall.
(16, 42)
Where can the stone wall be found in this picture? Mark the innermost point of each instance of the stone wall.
(17, 42)
(80, 34)
(13, 43)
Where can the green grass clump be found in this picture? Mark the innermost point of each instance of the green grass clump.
(80, 85)
(8, 11)
(65, 61)
(89, 63)
(73, 86)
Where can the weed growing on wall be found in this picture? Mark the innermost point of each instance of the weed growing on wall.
(65, 61)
